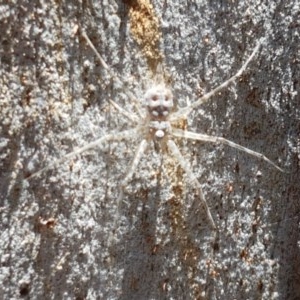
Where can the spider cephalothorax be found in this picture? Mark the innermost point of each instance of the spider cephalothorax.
(159, 103)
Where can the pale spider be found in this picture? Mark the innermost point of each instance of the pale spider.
(156, 125)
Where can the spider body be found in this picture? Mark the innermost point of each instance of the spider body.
(158, 126)
(159, 103)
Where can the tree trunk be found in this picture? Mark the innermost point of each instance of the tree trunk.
(65, 234)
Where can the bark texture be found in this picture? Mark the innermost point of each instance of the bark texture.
(54, 97)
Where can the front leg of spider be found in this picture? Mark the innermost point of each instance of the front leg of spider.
(183, 112)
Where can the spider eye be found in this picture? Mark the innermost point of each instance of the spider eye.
(154, 97)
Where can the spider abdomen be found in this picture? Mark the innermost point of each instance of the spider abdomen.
(159, 128)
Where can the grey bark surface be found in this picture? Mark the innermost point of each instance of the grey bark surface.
(54, 97)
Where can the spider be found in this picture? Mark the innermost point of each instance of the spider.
(156, 123)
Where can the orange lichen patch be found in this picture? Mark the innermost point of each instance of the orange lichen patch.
(178, 184)
(144, 26)
(180, 124)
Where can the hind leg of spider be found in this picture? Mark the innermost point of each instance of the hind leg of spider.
(188, 169)
(126, 134)
(221, 140)
(138, 155)
(183, 112)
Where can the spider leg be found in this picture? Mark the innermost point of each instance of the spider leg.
(132, 117)
(183, 112)
(188, 170)
(215, 139)
(102, 61)
(138, 155)
(126, 134)
(111, 73)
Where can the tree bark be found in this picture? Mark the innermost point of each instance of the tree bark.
(63, 234)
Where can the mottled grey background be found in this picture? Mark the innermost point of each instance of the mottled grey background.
(54, 97)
